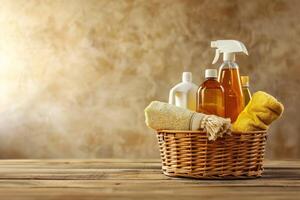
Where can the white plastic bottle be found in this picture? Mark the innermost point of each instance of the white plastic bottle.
(184, 94)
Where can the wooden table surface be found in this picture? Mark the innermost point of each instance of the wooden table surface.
(136, 179)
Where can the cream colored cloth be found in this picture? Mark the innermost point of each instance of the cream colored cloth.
(260, 112)
(163, 116)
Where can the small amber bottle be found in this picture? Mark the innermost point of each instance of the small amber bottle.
(245, 88)
(210, 95)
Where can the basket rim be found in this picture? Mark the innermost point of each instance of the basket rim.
(201, 132)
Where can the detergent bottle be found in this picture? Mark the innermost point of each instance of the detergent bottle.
(184, 94)
(229, 75)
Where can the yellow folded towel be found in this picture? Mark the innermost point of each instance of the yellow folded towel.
(260, 112)
(163, 116)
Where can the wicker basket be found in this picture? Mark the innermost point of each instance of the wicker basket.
(191, 154)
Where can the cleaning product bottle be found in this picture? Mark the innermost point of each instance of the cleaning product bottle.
(229, 75)
(210, 95)
(245, 88)
(184, 93)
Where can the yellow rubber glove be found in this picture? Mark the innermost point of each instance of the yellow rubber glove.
(260, 112)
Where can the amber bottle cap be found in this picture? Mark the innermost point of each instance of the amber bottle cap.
(245, 81)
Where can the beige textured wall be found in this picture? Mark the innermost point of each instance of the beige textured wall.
(75, 75)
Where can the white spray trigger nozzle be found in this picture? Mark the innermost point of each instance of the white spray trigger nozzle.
(216, 58)
(228, 48)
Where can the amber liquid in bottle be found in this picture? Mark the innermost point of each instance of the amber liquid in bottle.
(229, 78)
(246, 90)
(210, 97)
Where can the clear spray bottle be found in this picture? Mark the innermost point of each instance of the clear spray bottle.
(229, 75)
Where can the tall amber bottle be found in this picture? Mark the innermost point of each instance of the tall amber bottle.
(210, 95)
(229, 77)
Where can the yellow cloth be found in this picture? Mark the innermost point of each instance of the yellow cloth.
(260, 112)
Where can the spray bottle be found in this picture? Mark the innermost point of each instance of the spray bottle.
(229, 75)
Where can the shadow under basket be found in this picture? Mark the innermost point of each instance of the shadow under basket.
(191, 154)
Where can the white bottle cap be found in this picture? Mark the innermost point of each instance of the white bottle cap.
(186, 77)
(211, 73)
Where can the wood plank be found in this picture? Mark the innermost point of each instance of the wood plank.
(113, 163)
(265, 193)
(136, 179)
(149, 184)
(81, 164)
(76, 174)
(117, 174)
(295, 164)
